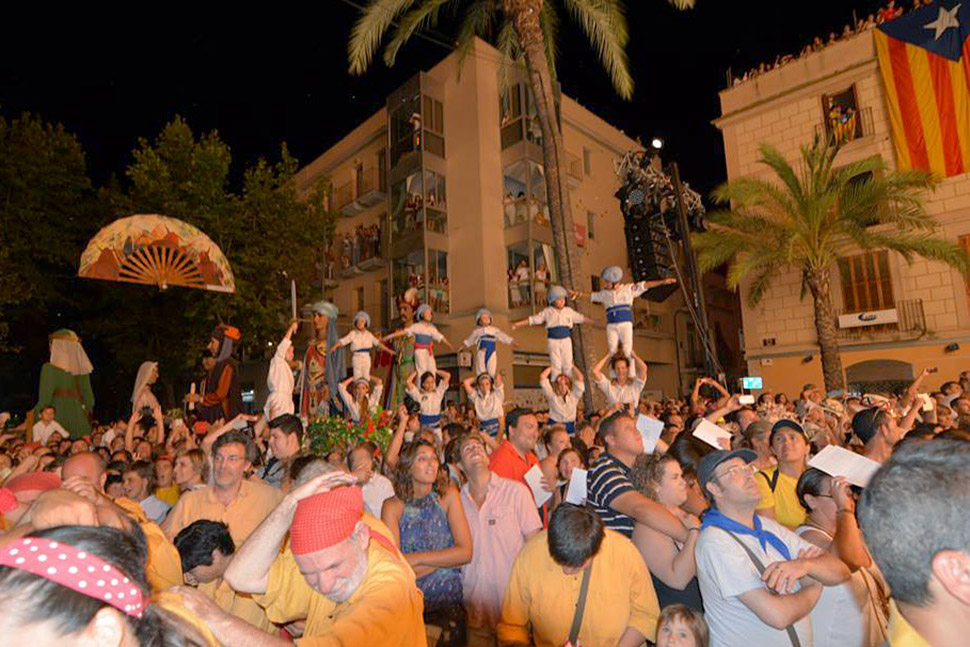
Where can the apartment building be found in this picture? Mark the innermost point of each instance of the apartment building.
(894, 318)
(442, 190)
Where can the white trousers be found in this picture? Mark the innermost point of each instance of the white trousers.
(361, 364)
(620, 335)
(424, 362)
(560, 356)
(482, 367)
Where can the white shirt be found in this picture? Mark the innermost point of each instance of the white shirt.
(725, 571)
(624, 294)
(490, 406)
(430, 401)
(839, 618)
(155, 509)
(372, 400)
(42, 431)
(481, 331)
(552, 317)
(280, 382)
(562, 409)
(628, 393)
(424, 328)
(377, 490)
(359, 340)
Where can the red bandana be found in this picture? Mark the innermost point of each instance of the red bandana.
(326, 519)
(77, 570)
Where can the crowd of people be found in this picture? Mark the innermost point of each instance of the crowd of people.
(484, 525)
(890, 11)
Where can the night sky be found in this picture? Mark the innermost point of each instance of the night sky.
(262, 78)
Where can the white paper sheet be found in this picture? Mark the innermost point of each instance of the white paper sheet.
(710, 433)
(838, 461)
(650, 430)
(576, 492)
(534, 479)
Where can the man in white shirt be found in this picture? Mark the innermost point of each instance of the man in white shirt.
(748, 603)
(375, 487)
(501, 516)
(44, 427)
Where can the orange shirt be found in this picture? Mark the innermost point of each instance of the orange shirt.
(508, 463)
(253, 504)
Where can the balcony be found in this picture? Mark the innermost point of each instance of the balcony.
(343, 200)
(355, 253)
(574, 170)
(370, 189)
(910, 323)
(847, 128)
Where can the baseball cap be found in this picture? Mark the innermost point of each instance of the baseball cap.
(785, 423)
(705, 471)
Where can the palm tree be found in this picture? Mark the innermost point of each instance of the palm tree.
(524, 31)
(807, 219)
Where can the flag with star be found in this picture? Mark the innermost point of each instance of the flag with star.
(924, 58)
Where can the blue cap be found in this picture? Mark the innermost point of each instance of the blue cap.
(556, 292)
(613, 274)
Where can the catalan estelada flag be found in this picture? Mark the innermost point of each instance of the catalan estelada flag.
(924, 57)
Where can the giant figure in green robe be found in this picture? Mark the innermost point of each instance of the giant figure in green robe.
(65, 383)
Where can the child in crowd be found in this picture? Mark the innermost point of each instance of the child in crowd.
(681, 626)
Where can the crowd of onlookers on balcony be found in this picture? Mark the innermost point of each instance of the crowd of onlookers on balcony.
(890, 11)
(351, 249)
(519, 208)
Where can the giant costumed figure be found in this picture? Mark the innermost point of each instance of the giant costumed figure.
(407, 304)
(65, 383)
(221, 397)
(321, 372)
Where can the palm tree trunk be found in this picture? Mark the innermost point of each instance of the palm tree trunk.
(828, 342)
(524, 15)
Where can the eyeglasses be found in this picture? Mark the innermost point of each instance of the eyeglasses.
(743, 470)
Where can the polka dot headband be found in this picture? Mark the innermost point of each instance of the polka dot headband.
(77, 570)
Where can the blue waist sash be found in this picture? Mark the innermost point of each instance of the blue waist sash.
(486, 343)
(558, 332)
(362, 350)
(433, 420)
(422, 341)
(570, 426)
(491, 426)
(619, 313)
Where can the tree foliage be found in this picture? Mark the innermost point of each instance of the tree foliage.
(46, 204)
(268, 231)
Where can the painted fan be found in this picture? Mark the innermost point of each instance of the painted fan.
(156, 250)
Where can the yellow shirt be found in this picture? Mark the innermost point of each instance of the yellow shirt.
(241, 605)
(253, 504)
(170, 494)
(540, 594)
(901, 633)
(164, 569)
(386, 609)
(788, 511)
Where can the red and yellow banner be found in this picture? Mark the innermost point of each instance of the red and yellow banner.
(927, 80)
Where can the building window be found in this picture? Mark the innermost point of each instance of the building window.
(842, 120)
(517, 123)
(435, 201)
(407, 204)
(382, 170)
(519, 276)
(544, 273)
(587, 162)
(407, 271)
(866, 282)
(590, 231)
(524, 184)
(439, 292)
(434, 126)
(405, 129)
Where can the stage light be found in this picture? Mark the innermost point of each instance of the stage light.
(657, 143)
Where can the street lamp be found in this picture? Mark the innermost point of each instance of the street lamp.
(657, 143)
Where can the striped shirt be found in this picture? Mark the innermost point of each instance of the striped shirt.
(608, 478)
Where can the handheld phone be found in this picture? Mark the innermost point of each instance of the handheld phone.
(931, 369)
(240, 424)
(927, 401)
(755, 382)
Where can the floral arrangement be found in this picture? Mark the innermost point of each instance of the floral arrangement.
(333, 433)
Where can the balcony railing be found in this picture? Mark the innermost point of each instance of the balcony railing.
(370, 190)
(343, 199)
(574, 170)
(845, 128)
(910, 323)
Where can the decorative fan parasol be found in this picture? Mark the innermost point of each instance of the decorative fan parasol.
(156, 250)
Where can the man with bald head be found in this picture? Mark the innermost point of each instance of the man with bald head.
(348, 580)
